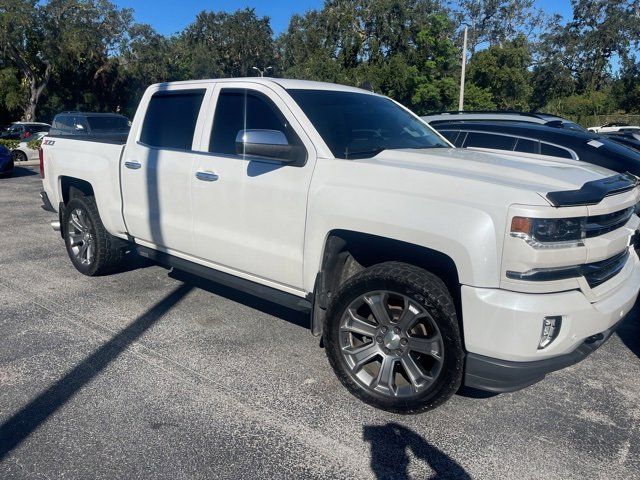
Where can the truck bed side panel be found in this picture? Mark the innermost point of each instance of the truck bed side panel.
(95, 162)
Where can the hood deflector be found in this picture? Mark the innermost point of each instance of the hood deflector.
(593, 192)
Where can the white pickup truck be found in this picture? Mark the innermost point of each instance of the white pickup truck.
(423, 266)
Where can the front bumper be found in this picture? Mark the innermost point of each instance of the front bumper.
(501, 376)
(502, 329)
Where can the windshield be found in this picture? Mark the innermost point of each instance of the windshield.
(359, 125)
(35, 136)
(108, 124)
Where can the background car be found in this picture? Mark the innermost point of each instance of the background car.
(613, 127)
(542, 140)
(23, 152)
(106, 125)
(22, 130)
(505, 116)
(6, 162)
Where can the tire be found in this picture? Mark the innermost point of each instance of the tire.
(413, 340)
(82, 227)
(19, 156)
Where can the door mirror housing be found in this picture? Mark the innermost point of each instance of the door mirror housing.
(268, 144)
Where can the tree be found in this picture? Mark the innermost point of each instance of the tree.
(494, 22)
(402, 48)
(227, 45)
(503, 71)
(43, 38)
(600, 31)
(626, 89)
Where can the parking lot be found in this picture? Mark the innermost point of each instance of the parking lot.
(152, 373)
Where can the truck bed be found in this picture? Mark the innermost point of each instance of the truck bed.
(94, 160)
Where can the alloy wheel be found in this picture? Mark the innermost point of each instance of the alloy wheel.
(81, 237)
(391, 345)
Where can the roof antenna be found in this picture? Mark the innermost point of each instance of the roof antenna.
(366, 86)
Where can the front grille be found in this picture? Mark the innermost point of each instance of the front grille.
(600, 224)
(599, 272)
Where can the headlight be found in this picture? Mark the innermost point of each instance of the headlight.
(550, 232)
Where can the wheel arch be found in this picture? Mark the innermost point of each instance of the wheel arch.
(72, 186)
(346, 252)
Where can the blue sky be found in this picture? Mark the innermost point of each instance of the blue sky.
(171, 16)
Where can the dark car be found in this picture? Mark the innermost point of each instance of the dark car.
(105, 125)
(6, 162)
(543, 140)
(22, 130)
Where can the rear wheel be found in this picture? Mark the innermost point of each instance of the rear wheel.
(92, 250)
(18, 156)
(393, 339)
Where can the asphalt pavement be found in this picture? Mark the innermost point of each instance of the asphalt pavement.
(153, 374)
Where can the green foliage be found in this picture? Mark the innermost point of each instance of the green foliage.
(584, 105)
(402, 48)
(503, 70)
(34, 144)
(10, 144)
(226, 44)
(477, 98)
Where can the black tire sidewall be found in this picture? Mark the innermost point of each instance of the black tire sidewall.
(450, 377)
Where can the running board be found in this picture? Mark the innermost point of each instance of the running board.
(271, 294)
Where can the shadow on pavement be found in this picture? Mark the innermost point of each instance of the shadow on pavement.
(390, 445)
(629, 330)
(470, 392)
(23, 172)
(18, 427)
(301, 319)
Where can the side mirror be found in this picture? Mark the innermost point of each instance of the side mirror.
(270, 144)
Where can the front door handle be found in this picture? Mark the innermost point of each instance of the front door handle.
(132, 165)
(207, 176)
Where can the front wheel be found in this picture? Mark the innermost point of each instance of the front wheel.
(392, 337)
(92, 250)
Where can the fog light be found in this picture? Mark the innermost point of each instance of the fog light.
(550, 331)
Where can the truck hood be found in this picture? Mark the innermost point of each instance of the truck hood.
(534, 173)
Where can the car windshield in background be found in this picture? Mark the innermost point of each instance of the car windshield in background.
(35, 136)
(108, 124)
(359, 125)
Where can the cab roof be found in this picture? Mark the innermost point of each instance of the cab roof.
(286, 83)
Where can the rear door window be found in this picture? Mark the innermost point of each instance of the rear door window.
(526, 146)
(489, 140)
(171, 118)
(553, 151)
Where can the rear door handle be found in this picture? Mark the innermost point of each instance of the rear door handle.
(207, 176)
(133, 165)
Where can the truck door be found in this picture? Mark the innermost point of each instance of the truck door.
(156, 169)
(249, 212)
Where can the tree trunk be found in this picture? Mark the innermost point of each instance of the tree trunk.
(35, 92)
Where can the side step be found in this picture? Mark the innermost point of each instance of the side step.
(276, 296)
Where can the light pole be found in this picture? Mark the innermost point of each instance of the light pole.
(464, 68)
(261, 72)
